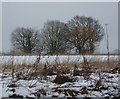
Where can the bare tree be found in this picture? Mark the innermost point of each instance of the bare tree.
(26, 40)
(84, 33)
(54, 33)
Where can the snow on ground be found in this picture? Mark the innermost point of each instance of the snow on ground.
(52, 59)
(46, 88)
(0, 86)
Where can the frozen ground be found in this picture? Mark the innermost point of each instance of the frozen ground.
(80, 87)
(46, 88)
(0, 86)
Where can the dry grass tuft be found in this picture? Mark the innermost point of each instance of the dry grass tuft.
(61, 79)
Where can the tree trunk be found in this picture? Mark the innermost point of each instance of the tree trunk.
(79, 51)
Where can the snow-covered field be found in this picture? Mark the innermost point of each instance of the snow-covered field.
(99, 83)
(52, 59)
(46, 88)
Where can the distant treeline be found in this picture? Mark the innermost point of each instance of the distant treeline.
(80, 35)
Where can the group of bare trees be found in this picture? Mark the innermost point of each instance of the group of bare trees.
(80, 33)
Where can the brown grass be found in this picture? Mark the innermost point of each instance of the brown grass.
(104, 64)
(65, 67)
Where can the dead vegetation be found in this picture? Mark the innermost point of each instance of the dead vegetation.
(61, 79)
(76, 69)
(65, 72)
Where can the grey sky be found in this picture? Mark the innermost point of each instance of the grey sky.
(35, 14)
(0, 27)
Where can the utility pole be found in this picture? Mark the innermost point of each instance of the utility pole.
(107, 41)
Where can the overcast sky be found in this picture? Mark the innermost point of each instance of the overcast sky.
(36, 14)
(0, 27)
